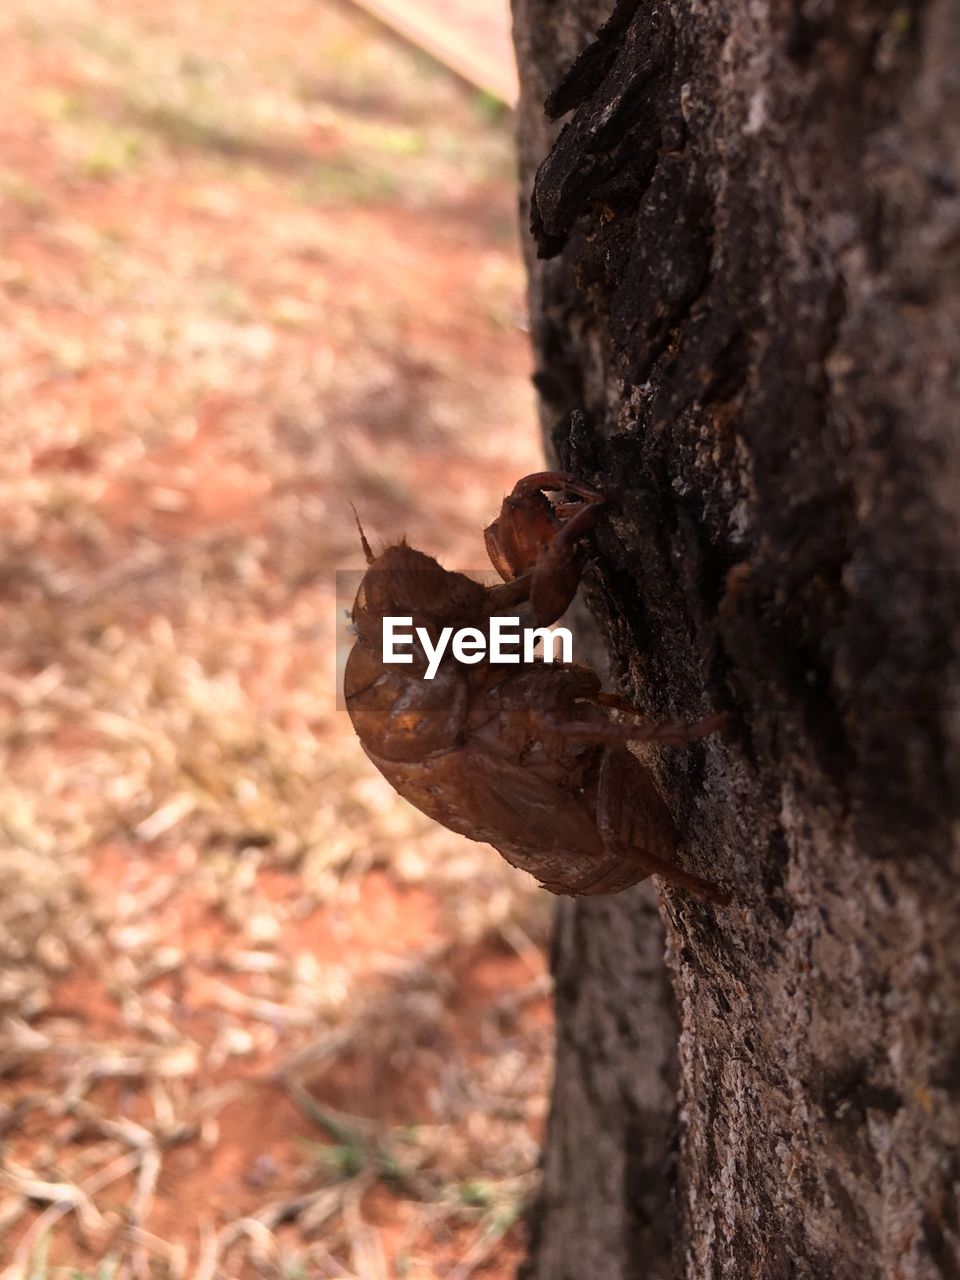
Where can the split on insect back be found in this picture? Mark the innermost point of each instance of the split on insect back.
(453, 706)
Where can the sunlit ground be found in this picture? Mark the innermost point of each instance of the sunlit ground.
(260, 1017)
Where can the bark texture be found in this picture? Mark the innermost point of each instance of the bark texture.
(744, 272)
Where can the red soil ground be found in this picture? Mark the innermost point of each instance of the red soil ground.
(256, 260)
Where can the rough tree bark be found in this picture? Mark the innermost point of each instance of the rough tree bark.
(744, 271)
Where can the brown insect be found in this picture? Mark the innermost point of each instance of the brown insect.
(525, 757)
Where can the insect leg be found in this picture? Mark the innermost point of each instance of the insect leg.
(564, 510)
(554, 482)
(618, 703)
(559, 566)
(676, 875)
(506, 595)
(718, 720)
(634, 822)
(576, 527)
(671, 733)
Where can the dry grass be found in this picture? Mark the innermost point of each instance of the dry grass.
(259, 1017)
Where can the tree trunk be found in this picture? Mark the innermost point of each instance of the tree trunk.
(748, 236)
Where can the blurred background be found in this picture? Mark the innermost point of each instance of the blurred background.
(258, 1017)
